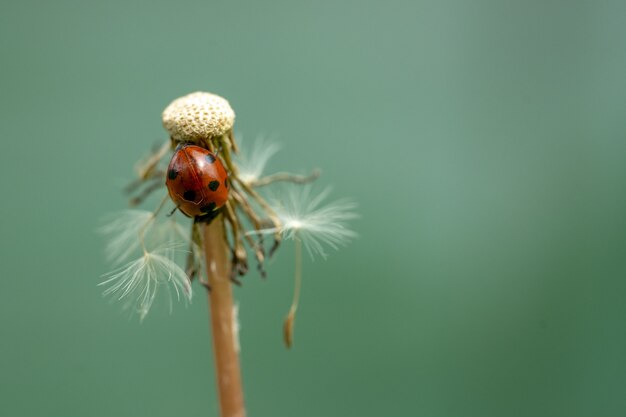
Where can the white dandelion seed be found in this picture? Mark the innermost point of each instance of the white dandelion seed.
(138, 282)
(305, 217)
(169, 231)
(171, 235)
(251, 161)
(122, 230)
(311, 223)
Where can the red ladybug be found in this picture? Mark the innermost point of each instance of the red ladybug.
(197, 182)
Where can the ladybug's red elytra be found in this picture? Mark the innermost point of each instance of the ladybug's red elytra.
(197, 182)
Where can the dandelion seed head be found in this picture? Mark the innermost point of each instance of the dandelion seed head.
(138, 282)
(198, 116)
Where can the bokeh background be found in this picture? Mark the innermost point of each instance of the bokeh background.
(484, 141)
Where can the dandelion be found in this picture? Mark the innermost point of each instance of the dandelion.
(139, 282)
(215, 183)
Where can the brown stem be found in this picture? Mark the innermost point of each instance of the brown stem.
(223, 325)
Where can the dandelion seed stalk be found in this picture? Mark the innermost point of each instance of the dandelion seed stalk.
(290, 320)
(223, 326)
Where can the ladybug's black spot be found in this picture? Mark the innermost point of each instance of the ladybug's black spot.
(208, 208)
(189, 195)
(214, 185)
(210, 158)
(172, 174)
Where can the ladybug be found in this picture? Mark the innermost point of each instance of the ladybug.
(197, 182)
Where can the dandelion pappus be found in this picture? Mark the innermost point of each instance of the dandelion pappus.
(197, 182)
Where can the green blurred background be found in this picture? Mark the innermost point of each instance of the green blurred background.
(484, 141)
